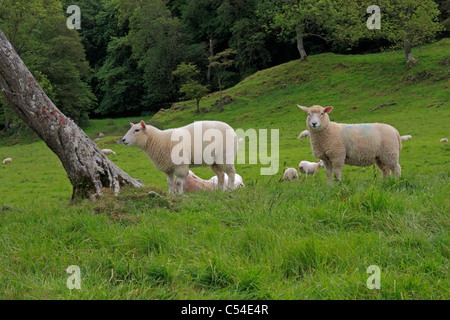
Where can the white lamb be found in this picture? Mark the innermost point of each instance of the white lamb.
(108, 151)
(238, 181)
(303, 134)
(444, 140)
(174, 156)
(407, 137)
(290, 174)
(353, 144)
(7, 160)
(307, 167)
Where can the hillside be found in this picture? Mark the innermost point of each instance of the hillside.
(269, 240)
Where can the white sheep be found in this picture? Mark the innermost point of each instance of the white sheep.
(174, 156)
(290, 174)
(307, 167)
(303, 134)
(353, 144)
(444, 140)
(101, 135)
(407, 137)
(7, 160)
(108, 151)
(238, 181)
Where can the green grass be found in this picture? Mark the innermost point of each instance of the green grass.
(269, 240)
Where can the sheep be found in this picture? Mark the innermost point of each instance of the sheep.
(303, 134)
(101, 135)
(352, 144)
(406, 137)
(238, 181)
(7, 160)
(444, 140)
(307, 167)
(108, 151)
(164, 149)
(290, 174)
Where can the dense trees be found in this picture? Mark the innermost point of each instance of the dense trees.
(122, 60)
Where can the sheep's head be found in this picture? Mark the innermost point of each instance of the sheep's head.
(136, 136)
(317, 117)
(321, 163)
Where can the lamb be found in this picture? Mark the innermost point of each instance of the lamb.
(108, 151)
(290, 174)
(444, 140)
(303, 134)
(7, 160)
(353, 144)
(406, 137)
(238, 181)
(194, 183)
(174, 158)
(307, 167)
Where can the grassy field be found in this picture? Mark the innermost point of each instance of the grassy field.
(269, 240)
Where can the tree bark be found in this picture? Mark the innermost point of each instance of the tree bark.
(88, 169)
(300, 46)
(211, 54)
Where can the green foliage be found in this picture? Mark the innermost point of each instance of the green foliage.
(191, 88)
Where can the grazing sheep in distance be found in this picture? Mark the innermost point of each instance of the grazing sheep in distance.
(159, 146)
(7, 160)
(101, 135)
(444, 140)
(406, 137)
(307, 167)
(352, 144)
(303, 134)
(108, 151)
(290, 174)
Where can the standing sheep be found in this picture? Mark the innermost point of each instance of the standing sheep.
(353, 144)
(309, 167)
(108, 151)
(444, 140)
(161, 146)
(7, 160)
(303, 134)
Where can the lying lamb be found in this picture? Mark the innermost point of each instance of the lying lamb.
(444, 140)
(238, 181)
(307, 167)
(7, 160)
(353, 144)
(161, 146)
(108, 151)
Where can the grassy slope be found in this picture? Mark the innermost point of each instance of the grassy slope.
(269, 240)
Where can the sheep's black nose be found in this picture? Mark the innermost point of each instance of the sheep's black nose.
(314, 124)
(123, 140)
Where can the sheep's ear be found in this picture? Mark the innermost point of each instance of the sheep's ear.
(328, 109)
(131, 124)
(143, 125)
(306, 109)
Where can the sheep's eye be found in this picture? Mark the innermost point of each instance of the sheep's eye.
(137, 130)
(321, 114)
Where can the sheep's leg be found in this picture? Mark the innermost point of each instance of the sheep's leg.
(180, 183)
(181, 174)
(397, 170)
(171, 182)
(383, 167)
(231, 172)
(329, 171)
(220, 176)
(338, 165)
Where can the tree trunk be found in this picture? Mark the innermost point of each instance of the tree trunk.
(410, 60)
(211, 54)
(300, 46)
(88, 169)
(220, 94)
